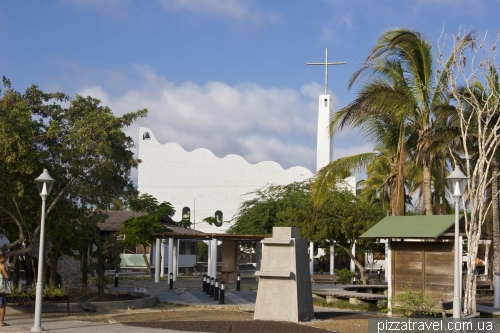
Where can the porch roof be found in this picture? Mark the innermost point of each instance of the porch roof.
(206, 236)
(417, 226)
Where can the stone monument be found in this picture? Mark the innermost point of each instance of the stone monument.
(285, 292)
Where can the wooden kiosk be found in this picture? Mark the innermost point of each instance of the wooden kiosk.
(420, 252)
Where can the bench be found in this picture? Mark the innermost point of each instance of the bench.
(484, 287)
(368, 288)
(324, 278)
(333, 296)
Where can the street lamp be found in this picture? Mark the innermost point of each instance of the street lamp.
(457, 182)
(44, 184)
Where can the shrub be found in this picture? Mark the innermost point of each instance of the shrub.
(413, 303)
(344, 275)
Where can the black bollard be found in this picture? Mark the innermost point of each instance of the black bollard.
(221, 296)
(171, 282)
(378, 274)
(204, 283)
(216, 290)
(238, 284)
(212, 287)
(207, 290)
(116, 280)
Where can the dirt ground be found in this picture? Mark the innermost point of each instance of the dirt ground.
(224, 320)
(209, 320)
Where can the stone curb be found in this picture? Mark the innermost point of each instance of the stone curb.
(146, 302)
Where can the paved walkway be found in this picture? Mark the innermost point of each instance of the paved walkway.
(77, 326)
(185, 292)
(189, 292)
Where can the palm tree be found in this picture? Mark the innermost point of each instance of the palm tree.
(384, 166)
(405, 86)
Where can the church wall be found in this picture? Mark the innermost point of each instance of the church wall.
(203, 182)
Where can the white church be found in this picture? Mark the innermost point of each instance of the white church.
(204, 183)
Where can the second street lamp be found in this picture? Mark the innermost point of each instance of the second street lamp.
(457, 182)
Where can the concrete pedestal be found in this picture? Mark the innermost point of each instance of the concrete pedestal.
(284, 292)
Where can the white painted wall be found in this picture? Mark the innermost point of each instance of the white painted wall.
(169, 173)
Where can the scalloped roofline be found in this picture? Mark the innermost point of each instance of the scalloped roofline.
(143, 130)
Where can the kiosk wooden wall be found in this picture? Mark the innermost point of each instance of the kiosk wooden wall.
(428, 266)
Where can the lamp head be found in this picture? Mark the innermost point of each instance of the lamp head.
(44, 179)
(457, 182)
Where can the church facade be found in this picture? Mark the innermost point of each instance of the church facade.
(198, 183)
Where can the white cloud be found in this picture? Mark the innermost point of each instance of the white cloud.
(237, 10)
(271, 149)
(246, 119)
(257, 123)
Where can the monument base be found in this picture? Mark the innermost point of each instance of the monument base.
(285, 292)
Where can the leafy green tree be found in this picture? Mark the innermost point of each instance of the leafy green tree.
(342, 218)
(259, 214)
(138, 230)
(82, 145)
(145, 203)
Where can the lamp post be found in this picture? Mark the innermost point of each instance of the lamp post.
(457, 182)
(44, 184)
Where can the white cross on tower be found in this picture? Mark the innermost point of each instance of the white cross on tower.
(326, 63)
(324, 146)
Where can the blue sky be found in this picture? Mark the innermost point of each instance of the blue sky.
(227, 75)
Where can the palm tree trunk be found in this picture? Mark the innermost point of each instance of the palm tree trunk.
(427, 189)
(400, 188)
(397, 186)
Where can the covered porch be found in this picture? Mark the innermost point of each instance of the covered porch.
(229, 249)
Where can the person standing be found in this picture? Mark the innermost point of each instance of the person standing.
(4, 277)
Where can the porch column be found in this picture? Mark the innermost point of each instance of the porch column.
(157, 260)
(332, 259)
(170, 256)
(209, 258)
(175, 262)
(386, 261)
(213, 250)
(311, 258)
(388, 274)
(353, 266)
(162, 252)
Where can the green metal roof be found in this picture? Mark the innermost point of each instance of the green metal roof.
(418, 226)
